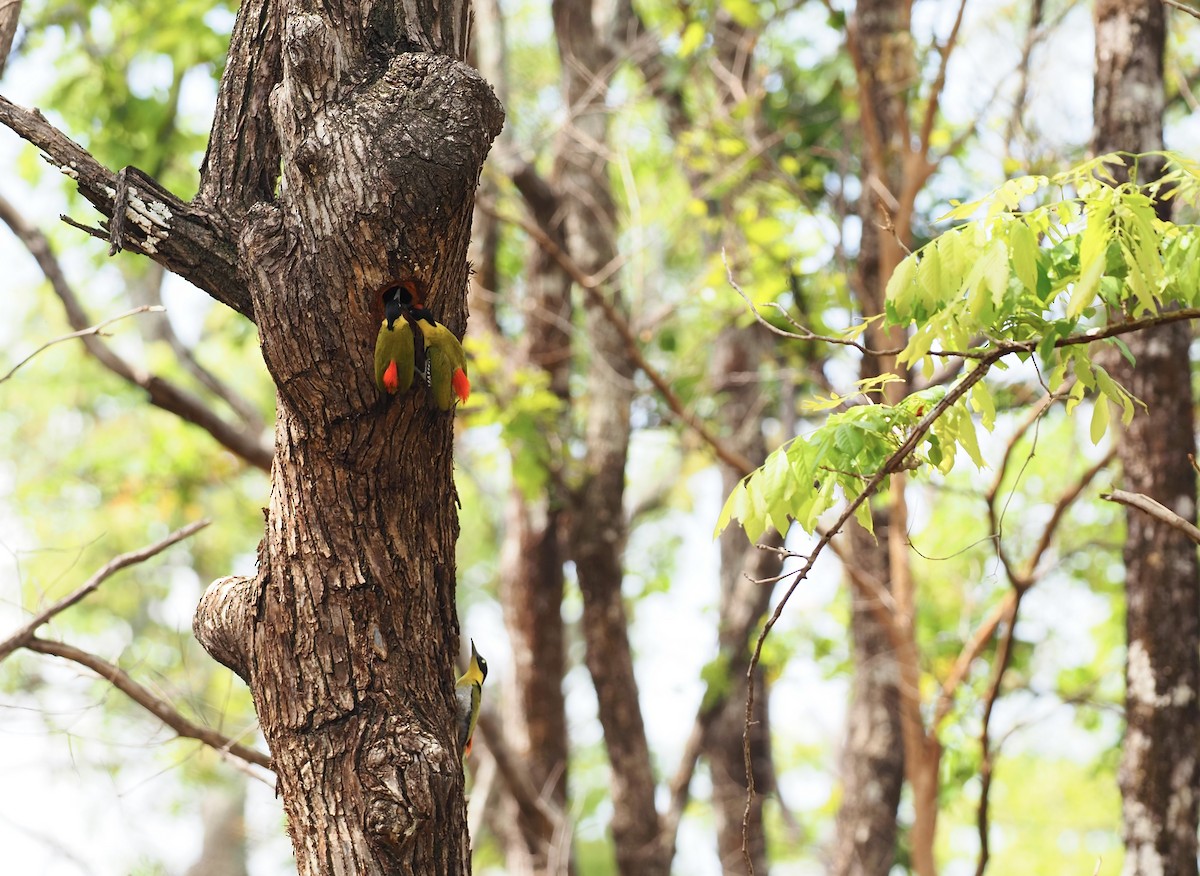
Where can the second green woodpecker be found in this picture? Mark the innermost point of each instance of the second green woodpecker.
(469, 692)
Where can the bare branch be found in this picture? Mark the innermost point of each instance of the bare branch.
(244, 442)
(986, 762)
(182, 237)
(594, 289)
(97, 329)
(1155, 509)
(1029, 572)
(939, 83)
(1183, 7)
(162, 710)
(894, 463)
(116, 564)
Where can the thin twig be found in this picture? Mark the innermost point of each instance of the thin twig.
(939, 83)
(116, 564)
(96, 329)
(1156, 510)
(892, 464)
(245, 442)
(162, 710)
(1020, 581)
(594, 289)
(1183, 7)
(986, 765)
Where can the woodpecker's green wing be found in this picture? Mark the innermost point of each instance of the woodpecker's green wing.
(445, 365)
(394, 357)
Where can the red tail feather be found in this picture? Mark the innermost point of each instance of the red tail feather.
(461, 384)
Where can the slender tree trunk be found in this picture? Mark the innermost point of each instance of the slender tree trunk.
(531, 568)
(1158, 774)
(532, 555)
(224, 850)
(737, 356)
(872, 763)
(348, 633)
(873, 756)
(597, 528)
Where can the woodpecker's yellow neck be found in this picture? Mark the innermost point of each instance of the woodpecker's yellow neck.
(476, 670)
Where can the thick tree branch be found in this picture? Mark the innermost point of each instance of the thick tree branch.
(162, 710)
(116, 564)
(223, 622)
(182, 238)
(241, 165)
(244, 442)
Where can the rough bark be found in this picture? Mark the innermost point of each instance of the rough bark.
(241, 164)
(872, 763)
(348, 633)
(1158, 773)
(737, 356)
(597, 528)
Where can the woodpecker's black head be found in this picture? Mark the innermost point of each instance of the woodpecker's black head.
(419, 313)
(392, 309)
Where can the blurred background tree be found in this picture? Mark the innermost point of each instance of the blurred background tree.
(652, 152)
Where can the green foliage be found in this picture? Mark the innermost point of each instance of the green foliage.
(806, 477)
(1047, 273)
(526, 411)
(1027, 281)
(120, 78)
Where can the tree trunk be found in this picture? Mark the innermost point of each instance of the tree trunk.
(597, 528)
(531, 567)
(873, 756)
(1158, 774)
(348, 633)
(740, 352)
(224, 851)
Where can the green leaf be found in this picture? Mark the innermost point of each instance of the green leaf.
(981, 400)
(691, 39)
(1100, 416)
(1085, 288)
(1024, 248)
(901, 289)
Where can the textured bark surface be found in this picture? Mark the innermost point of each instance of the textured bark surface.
(597, 527)
(347, 635)
(1158, 774)
(532, 558)
(872, 762)
(737, 356)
